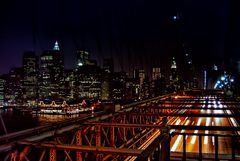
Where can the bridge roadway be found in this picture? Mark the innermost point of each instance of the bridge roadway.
(139, 132)
(216, 114)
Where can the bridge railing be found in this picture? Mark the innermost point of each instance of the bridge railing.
(216, 155)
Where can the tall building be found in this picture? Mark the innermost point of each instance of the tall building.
(2, 91)
(30, 76)
(56, 46)
(83, 58)
(119, 86)
(156, 73)
(139, 76)
(132, 89)
(13, 88)
(52, 73)
(70, 88)
(189, 75)
(108, 65)
(173, 76)
(106, 87)
(145, 90)
(88, 81)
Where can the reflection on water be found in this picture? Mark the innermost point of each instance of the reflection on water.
(43, 118)
(16, 121)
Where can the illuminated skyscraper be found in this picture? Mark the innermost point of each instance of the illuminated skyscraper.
(156, 73)
(56, 46)
(106, 87)
(173, 76)
(13, 88)
(88, 78)
(83, 58)
(2, 91)
(30, 76)
(140, 75)
(52, 73)
(118, 85)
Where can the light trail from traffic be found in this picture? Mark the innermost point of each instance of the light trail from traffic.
(208, 142)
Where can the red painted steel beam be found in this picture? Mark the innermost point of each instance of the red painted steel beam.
(104, 150)
(105, 124)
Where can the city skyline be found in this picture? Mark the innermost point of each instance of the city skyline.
(136, 33)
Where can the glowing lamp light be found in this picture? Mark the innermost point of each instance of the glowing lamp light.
(174, 17)
(222, 78)
(80, 64)
(232, 80)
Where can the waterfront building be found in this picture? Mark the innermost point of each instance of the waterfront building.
(2, 91)
(13, 87)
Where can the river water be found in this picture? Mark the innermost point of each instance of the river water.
(16, 121)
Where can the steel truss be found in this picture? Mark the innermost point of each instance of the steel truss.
(118, 137)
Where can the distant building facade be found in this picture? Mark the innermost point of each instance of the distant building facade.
(88, 81)
(107, 74)
(2, 91)
(13, 86)
(30, 76)
(83, 57)
(156, 73)
(119, 86)
(52, 74)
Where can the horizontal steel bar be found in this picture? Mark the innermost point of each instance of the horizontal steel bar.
(204, 134)
(187, 114)
(44, 128)
(82, 148)
(150, 149)
(106, 124)
(213, 128)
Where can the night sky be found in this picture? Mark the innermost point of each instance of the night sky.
(134, 32)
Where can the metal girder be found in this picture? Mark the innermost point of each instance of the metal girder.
(46, 128)
(215, 128)
(52, 154)
(188, 114)
(106, 124)
(43, 132)
(82, 148)
(150, 149)
(79, 143)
